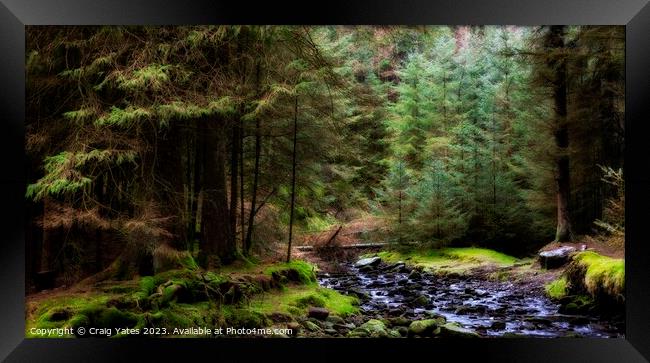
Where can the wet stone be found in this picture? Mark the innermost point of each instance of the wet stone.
(498, 325)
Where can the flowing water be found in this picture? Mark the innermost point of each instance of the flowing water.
(491, 308)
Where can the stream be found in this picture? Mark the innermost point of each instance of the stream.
(491, 308)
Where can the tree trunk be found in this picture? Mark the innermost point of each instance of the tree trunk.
(241, 184)
(234, 167)
(256, 172)
(215, 225)
(169, 188)
(293, 177)
(199, 150)
(555, 41)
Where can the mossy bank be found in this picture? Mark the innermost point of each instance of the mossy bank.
(274, 296)
(590, 282)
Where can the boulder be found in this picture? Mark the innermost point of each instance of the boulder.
(370, 261)
(376, 328)
(415, 275)
(420, 301)
(427, 327)
(455, 330)
(556, 257)
(318, 313)
(394, 334)
(400, 321)
(577, 305)
(366, 269)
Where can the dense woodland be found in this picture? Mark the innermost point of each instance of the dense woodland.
(146, 144)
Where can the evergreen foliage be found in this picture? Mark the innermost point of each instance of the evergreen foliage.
(220, 140)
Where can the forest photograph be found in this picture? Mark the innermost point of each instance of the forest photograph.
(251, 181)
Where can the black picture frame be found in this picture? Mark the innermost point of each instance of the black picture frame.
(15, 14)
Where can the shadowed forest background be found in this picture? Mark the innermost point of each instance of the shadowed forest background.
(222, 141)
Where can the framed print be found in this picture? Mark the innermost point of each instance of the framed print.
(346, 182)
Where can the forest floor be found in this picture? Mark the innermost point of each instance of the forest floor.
(404, 292)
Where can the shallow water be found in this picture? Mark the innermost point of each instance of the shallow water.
(489, 307)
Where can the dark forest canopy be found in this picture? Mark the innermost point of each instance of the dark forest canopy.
(149, 144)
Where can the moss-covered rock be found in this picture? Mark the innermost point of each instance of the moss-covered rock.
(455, 330)
(420, 301)
(577, 305)
(400, 321)
(376, 328)
(359, 332)
(425, 327)
(311, 326)
(295, 271)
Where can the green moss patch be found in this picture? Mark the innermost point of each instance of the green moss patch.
(296, 300)
(311, 300)
(557, 289)
(480, 255)
(294, 271)
(450, 260)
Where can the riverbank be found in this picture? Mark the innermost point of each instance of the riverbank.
(418, 292)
